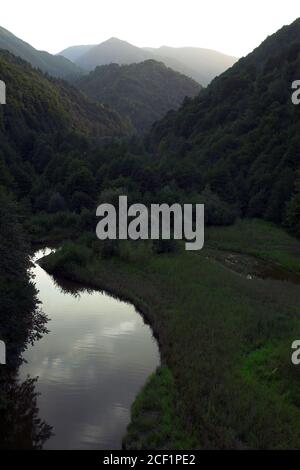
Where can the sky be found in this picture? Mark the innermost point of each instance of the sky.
(234, 27)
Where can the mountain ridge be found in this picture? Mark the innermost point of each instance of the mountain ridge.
(115, 50)
(46, 119)
(242, 130)
(41, 104)
(144, 92)
(57, 66)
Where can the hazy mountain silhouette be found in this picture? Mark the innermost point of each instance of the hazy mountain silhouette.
(73, 53)
(144, 92)
(200, 64)
(112, 51)
(55, 65)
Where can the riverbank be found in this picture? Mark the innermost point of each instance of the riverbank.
(225, 340)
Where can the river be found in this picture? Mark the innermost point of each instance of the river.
(90, 366)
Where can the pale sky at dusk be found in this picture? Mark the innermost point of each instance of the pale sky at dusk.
(234, 27)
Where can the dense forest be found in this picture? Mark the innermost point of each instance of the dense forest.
(43, 121)
(143, 92)
(234, 147)
(241, 133)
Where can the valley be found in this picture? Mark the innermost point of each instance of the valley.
(142, 344)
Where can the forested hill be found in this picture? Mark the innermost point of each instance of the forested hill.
(242, 132)
(40, 112)
(41, 104)
(144, 92)
(57, 66)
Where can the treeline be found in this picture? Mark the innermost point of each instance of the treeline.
(67, 192)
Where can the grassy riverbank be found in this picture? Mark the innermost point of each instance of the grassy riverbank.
(227, 380)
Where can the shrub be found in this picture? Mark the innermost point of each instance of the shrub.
(69, 254)
(217, 212)
(139, 251)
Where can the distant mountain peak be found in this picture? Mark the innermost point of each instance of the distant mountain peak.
(114, 39)
(200, 64)
(113, 50)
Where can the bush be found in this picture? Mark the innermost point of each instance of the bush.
(48, 225)
(69, 254)
(166, 246)
(217, 212)
(136, 252)
(109, 248)
(56, 203)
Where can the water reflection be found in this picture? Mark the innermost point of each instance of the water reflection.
(91, 365)
(20, 424)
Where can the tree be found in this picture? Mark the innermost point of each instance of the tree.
(56, 203)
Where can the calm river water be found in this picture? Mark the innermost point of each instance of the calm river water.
(91, 365)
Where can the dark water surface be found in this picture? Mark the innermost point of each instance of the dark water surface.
(91, 365)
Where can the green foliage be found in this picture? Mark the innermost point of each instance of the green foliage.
(61, 172)
(135, 252)
(217, 212)
(292, 219)
(45, 117)
(19, 320)
(56, 203)
(144, 92)
(242, 132)
(68, 255)
(81, 180)
(166, 246)
(42, 224)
